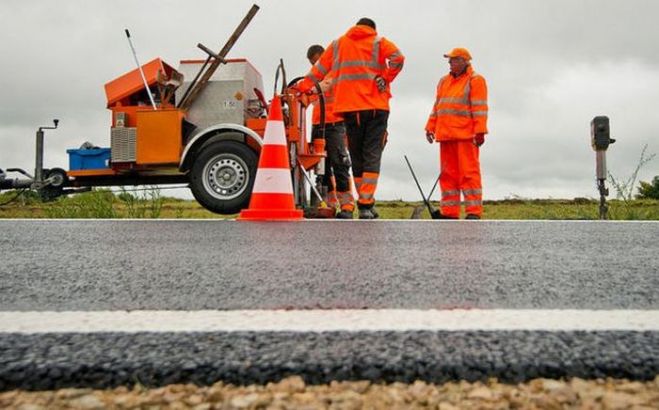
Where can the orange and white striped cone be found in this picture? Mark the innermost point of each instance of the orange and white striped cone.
(272, 196)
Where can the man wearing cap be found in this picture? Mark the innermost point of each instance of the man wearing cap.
(459, 122)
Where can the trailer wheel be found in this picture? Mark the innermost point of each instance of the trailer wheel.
(55, 189)
(58, 176)
(222, 176)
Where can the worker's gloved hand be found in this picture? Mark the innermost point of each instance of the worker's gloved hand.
(381, 83)
(430, 137)
(479, 139)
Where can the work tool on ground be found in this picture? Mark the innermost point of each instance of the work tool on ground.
(322, 211)
(434, 213)
(432, 191)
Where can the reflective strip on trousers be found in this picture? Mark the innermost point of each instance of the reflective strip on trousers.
(346, 201)
(450, 203)
(473, 203)
(367, 189)
(450, 193)
(472, 192)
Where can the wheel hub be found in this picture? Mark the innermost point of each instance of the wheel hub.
(226, 176)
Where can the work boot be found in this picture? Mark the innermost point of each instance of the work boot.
(344, 215)
(375, 213)
(472, 216)
(366, 214)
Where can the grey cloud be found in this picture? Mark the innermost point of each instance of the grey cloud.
(551, 66)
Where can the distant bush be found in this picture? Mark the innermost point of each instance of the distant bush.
(649, 190)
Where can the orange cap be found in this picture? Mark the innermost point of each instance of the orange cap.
(459, 52)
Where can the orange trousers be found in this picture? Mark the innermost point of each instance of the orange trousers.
(461, 174)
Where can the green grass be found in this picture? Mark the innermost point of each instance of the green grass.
(150, 204)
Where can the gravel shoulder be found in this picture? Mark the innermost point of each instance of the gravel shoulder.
(293, 393)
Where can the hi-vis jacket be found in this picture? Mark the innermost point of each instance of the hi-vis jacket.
(328, 88)
(355, 60)
(460, 110)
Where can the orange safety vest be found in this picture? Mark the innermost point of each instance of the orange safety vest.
(460, 110)
(356, 59)
(330, 116)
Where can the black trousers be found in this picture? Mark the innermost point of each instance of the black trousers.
(367, 136)
(338, 160)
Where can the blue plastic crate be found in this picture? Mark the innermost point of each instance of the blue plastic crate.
(81, 159)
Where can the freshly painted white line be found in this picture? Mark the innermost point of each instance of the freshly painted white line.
(397, 320)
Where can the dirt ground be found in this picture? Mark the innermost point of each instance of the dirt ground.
(293, 393)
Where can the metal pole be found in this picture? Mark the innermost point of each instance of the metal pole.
(139, 67)
(38, 163)
(203, 81)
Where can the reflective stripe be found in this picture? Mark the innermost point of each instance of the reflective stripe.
(450, 193)
(320, 68)
(453, 100)
(275, 133)
(472, 192)
(345, 197)
(273, 181)
(371, 181)
(358, 63)
(355, 77)
(473, 203)
(374, 62)
(459, 113)
(479, 102)
(365, 196)
(375, 54)
(396, 66)
(479, 113)
(450, 203)
(335, 50)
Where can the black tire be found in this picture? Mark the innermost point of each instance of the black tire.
(56, 188)
(222, 176)
(59, 176)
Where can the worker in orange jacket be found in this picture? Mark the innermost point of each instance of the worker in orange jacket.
(337, 171)
(459, 122)
(364, 66)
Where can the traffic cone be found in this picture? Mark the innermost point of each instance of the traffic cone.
(272, 195)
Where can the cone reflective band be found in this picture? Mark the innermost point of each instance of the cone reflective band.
(272, 196)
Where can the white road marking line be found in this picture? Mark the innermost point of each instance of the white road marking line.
(398, 320)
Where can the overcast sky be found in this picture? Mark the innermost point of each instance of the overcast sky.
(551, 66)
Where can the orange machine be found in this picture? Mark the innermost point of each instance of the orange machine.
(203, 128)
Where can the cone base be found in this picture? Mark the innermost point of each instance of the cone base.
(271, 215)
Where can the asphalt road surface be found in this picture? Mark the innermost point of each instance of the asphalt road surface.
(99, 266)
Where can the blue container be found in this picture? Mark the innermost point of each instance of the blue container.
(82, 159)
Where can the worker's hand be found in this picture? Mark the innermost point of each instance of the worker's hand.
(381, 83)
(430, 137)
(479, 139)
(326, 84)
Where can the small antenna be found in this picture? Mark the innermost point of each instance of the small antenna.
(139, 67)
